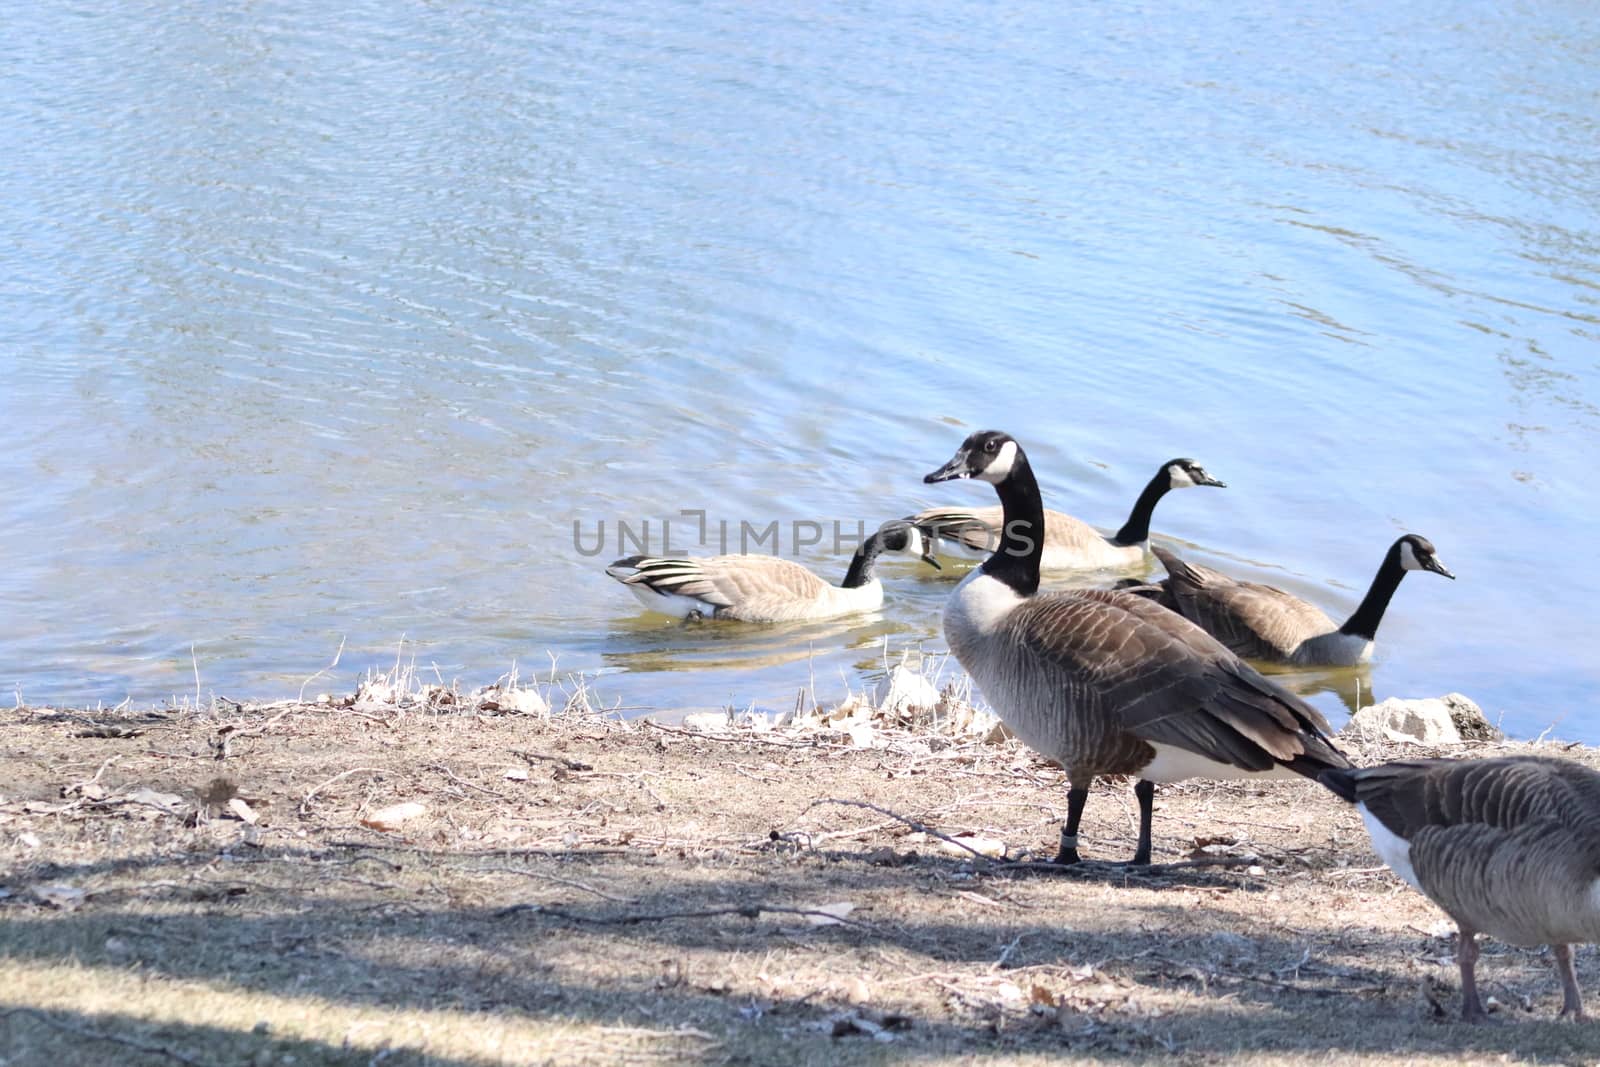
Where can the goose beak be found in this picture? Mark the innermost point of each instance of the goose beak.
(956, 468)
(930, 560)
(1208, 480)
(1433, 564)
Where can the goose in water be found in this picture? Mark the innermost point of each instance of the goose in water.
(1107, 682)
(1069, 543)
(763, 588)
(1509, 847)
(1263, 622)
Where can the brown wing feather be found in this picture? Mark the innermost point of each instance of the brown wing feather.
(1169, 681)
(728, 581)
(1251, 619)
(979, 528)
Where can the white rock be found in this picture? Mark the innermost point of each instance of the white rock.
(391, 817)
(904, 691)
(1422, 722)
(707, 721)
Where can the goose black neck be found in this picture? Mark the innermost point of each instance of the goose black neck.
(1016, 561)
(1136, 531)
(1364, 622)
(860, 572)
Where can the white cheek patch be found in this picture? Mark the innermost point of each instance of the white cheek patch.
(1180, 478)
(1391, 848)
(1408, 557)
(999, 468)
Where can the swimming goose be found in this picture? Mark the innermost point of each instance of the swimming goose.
(763, 588)
(1264, 622)
(1069, 543)
(1106, 682)
(1509, 847)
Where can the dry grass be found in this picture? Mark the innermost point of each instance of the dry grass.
(641, 894)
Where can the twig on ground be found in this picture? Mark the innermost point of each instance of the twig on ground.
(448, 773)
(100, 1035)
(301, 699)
(78, 786)
(1006, 953)
(748, 911)
(305, 803)
(229, 734)
(919, 827)
(751, 738)
(544, 877)
(560, 761)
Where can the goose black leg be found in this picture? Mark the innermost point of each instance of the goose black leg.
(1145, 792)
(1467, 959)
(1571, 998)
(1069, 833)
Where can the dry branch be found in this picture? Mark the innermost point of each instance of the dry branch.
(913, 823)
(100, 1035)
(748, 911)
(305, 803)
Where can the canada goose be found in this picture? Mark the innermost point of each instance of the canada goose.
(763, 588)
(1106, 682)
(1264, 622)
(1069, 543)
(1509, 847)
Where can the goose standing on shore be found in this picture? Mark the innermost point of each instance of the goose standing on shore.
(1069, 543)
(1107, 682)
(1264, 622)
(1509, 847)
(763, 588)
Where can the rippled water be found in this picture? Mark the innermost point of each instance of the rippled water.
(330, 321)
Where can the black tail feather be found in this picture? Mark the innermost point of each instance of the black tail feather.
(1341, 781)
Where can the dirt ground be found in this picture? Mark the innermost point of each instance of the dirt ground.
(583, 890)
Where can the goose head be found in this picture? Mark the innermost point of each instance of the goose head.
(909, 539)
(1186, 474)
(1417, 554)
(987, 455)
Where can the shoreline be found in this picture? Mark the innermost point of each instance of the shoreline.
(588, 889)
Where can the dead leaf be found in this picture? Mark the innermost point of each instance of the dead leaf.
(1041, 996)
(242, 811)
(515, 774)
(831, 913)
(983, 846)
(60, 895)
(29, 839)
(391, 817)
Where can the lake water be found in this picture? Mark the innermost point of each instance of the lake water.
(324, 322)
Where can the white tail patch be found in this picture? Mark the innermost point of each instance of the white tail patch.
(1174, 764)
(1391, 848)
